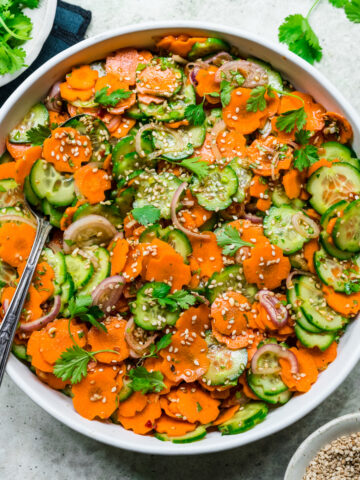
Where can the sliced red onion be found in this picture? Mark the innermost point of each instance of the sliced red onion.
(138, 347)
(273, 349)
(253, 73)
(253, 218)
(53, 101)
(277, 312)
(300, 221)
(292, 274)
(217, 128)
(108, 293)
(177, 224)
(18, 218)
(192, 76)
(87, 231)
(219, 58)
(42, 321)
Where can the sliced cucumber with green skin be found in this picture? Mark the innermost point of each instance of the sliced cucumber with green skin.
(326, 239)
(195, 135)
(110, 212)
(329, 185)
(295, 304)
(47, 183)
(346, 272)
(20, 352)
(346, 232)
(148, 313)
(230, 278)
(80, 269)
(180, 243)
(135, 113)
(279, 229)
(57, 261)
(126, 160)
(247, 417)
(311, 340)
(212, 116)
(274, 77)
(13, 211)
(338, 151)
(8, 184)
(156, 189)
(151, 232)
(53, 213)
(125, 390)
(209, 46)
(102, 271)
(244, 177)
(167, 142)
(190, 437)
(258, 385)
(226, 365)
(214, 192)
(124, 201)
(270, 384)
(314, 307)
(8, 275)
(37, 115)
(279, 198)
(67, 292)
(30, 194)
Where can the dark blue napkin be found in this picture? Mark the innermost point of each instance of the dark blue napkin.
(69, 28)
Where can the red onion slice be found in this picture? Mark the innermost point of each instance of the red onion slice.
(253, 73)
(272, 350)
(138, 339)
(42, 321)
(253, 218)
(108, 293)
(219, 58)
(302, 223)
(87, 231)
(53, 100)
(177, 224)
(277, 312)
(18, 218)
(292, 274)
(217, 128)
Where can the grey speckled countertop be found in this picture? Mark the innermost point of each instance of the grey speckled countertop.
(35, 446)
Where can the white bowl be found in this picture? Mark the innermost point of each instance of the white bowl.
(316, 441)
(304, 77)
(42, 19)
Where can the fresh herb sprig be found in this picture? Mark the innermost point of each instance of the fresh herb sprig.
(155, 348)
(111, 99)
(145, 382)
(38, 135)
(146, 215)
(82, 308)
(307, 154)
(229, 238)
(173, 301)
(196, 166)
(195, 114)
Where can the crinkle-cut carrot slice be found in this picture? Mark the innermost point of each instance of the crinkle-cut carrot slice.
(32, 307)
(153, 80)
(249, 232)
(194, 404)
(33, 350)
(72, 94)
(309, 249)
(55, 338)
(16, 240)
(92, 183)
(43, 281)
(320, 163)
(322, 359)
(263, 204)
(226, 415)
(246, 389)
(180, 123)
(119, 249)
(258, 187)
(172, 427)
(134, 263)
(230, 313)
(113, 339)
(308, 372)
(67, 217)
(264, 156)
(187, 359)
(343, 130)
(293, 182)
(267, 267)
(24, 163)
(281, 135)
(50, 379)
(82, 78)
(123, 128)
(8, 170)
(205, 152)
(16, 150)
(233, 342)
(145, 421)
(66, 149)
(195, 319)
(168, 408)
(179, 44)
(231, 144)
(314, 111)
(206, 256)
(265, 324)
(205, 79)
(124, 63)
(56, 118)
(132, 405)
(194, 216)
(148, 99)
(169, 269)
(95, 395)
(112, 83)
(347, 305)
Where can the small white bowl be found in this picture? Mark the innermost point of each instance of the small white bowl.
(316, 441)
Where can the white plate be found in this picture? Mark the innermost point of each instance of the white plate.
(304, 77)
(43, 20)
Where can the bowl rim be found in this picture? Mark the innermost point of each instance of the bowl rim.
(167, 448)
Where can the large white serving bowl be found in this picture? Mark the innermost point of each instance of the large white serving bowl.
(305, 78)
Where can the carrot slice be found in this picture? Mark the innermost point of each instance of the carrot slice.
(246, 389)
(134, 263)
(43, 281)
(226, 415)
(50, 379)
(119, 249)
(167, 406)
(343, 130)
(16, 150)
(124, 63)
(16, 240)
(126, 124)
(322, 359)
(57, 119)
(346, 305)
(153, 80)
(233, 342)
(264, 156)
(230, 312)
(33, 350)
(180, 44)
(92, 183)
(133, 405)
(195, 319)
(82, 78)
(95, 395)
(24, 163)
(112, 83)
(307, 375)
(173, 427)
(113, 339)
(205, 152)
(72, 94)
(205, 79)
(211, 261)
(144, 421)
(67, 217)
(293, 182)
(231, 143)
(155, 364)
(8, 170)
(314, 111)
(309, 249)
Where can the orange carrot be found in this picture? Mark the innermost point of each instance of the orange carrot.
(43, 281)
(194, 404)
(144, 421)
(347, 305)
(119, 249)
(263, 156)
(113, 339)
(322, 359)
(226, 415)
(112, 83)
(33, 350)
(124, 63)
(173, 427)
(236, 308)
(133, 405)
(180, 44)
(309, 249)
(206, 83)
(92, 183)
(16, 240)
(343, 130)
(82, 78)
(211, 261)
(314, 111)
(51, 380)
(307, 375)
(293, 183)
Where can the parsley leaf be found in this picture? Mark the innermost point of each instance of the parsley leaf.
(72, 364)
(173, 301)
(225, 92)
(287, 121)
(113, 98)
(302, 137)
(229, 238)
(146, 215)
(297, 33)
(195, 114)
(37, 135)
(257, 100)
(160, 290)
(160, 345)
(197, 166)
(352, 10)
(352, 287)
(306, 156)
(83, 308)
(338, 3)
(145, 382)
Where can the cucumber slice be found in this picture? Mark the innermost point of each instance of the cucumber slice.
(148, 235)
(310, 340)
(244, 177)
(102, 271)
(346, 232)
(180, 243)
(53, 213)
(338, 151)
(274, 77)
(8, 275)
(209, 46)
(67, 292)
(125, 390)
(326, 239)
(20, 352)
(247, 417)
(125, 158)
(190, 437)
(47, 183)
(30, 194)
(57, 262)
(230, 278)
(334, 272)
(314, 307)
(329, 185)
(80, 269)
(214, 192)
(195, 135)
(226, 365)
(135, 113)
(124, 201)
(157, 190)
(110, 212)
(295, 305)
(280, 231)
(168, 143)
(148, 313)
(37, 115)
(8, 184)
(268, 384)
(13, 211)
(258, 385)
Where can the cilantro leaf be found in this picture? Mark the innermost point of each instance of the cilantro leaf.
(145, 382)
(173, 301)
(287, 121)
(229, 238)
(306, 156)
(352, 10)
(338, 3)
(160, 290)
(197, 166)
(82, 307)
(72, 364)
(113, 98)
(257, 100)
(303, 136)
(146, 215)
(195, 114)
(160, 345)
(225, 92)
(11, 59)
(38, 135)
(352, 287)
(183, 299)
(297, 33)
